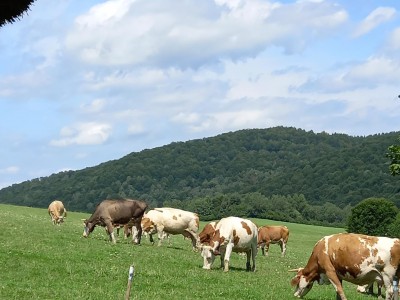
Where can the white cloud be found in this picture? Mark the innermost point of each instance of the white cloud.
(187, 35)
(10, 170)
(95, 106)
(394, 40)
(374, 19)
(83, 134)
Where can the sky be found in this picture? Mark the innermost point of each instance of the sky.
(85, 82)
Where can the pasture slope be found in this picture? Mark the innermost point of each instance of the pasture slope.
(41, 261)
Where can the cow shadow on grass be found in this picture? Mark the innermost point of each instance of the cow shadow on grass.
(231, 269)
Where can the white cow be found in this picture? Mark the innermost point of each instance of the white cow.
(232, 234)
(165, 221)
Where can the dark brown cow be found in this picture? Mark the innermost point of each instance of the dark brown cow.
(356, 258)
(111, 212)
(273, 235)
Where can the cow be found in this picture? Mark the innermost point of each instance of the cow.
(57, 212)
(272, 235)
(232, 234)
(356, 258)
(173, 221)
(110, 213)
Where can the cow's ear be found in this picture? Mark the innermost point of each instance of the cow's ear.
(295, 281)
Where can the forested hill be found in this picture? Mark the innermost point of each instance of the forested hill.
(257, 172)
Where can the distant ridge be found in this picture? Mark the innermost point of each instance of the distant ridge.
(325, 168)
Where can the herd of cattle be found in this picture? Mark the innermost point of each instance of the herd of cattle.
(359, 259)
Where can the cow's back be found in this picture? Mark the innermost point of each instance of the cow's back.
(174, 220)
(56, 207)
(243, 233)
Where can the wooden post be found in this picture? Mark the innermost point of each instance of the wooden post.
(130, 279)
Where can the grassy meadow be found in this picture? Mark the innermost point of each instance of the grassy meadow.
(41, 261)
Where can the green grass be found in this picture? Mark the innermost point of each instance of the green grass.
(41, 261)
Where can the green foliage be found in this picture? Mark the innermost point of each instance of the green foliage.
(394, 156)
(278, 173)
(394, 227)
(372, 217)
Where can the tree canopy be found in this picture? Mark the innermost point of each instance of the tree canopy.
(372, 216)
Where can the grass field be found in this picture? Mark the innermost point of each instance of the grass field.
(42, 261)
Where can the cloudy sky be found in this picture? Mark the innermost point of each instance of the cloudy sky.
(84, 82)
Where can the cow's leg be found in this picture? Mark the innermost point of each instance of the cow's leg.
(262, 246)
(267, 248)
(253, 256)
(248, 265)
(194, 237)
(388, 285)
(337, 283)
(160, 232)
(228, 252)
(137, 235)
(110, 231)
(283, 248)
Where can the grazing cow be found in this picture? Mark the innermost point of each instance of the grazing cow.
(356, 258)
(273, 235)
(57, 212)
(166, 220)
(232, 234)
(110, 213)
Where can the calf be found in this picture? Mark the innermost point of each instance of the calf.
(356, 258)
(273, 235)
(57, 212)
(232, 234)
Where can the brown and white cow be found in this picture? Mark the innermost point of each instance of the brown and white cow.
(167, 220)
(232, 234)
(356, 258)
(57, 212)
(110, 213)
(272, 235)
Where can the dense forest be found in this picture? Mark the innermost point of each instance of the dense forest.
(278, 173)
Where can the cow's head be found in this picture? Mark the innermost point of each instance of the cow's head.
(88, 227)
(148, 226)
(302, 283)
(208, 256)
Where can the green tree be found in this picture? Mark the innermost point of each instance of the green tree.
(372, 216)
(394, 228)
(394, 156)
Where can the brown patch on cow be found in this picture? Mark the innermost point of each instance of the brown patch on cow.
(236, 239)
(206, 234)
(174, 217)
(246, 227)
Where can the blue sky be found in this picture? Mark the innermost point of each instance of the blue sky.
(84, 82)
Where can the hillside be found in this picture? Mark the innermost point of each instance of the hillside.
(227, 172)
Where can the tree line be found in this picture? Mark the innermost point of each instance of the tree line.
(281, 173)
